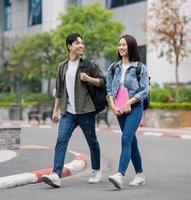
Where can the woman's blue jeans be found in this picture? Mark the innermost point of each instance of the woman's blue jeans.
(68, 123)
(129, 124)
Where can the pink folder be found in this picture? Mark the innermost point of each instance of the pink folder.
(121, 98)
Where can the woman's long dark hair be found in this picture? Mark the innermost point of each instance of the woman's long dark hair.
(133, 51)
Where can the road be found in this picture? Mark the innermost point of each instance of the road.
(166, 162)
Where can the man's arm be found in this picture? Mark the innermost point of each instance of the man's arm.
(97, 78)
(56, 111)
(94, 81)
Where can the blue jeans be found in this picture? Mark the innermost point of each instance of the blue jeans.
(68, 123)
(129, 124)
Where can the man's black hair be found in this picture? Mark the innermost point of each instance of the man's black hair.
(71, 38)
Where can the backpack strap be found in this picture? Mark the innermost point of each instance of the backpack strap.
(138, 72)
(113, 68)
(87, 67)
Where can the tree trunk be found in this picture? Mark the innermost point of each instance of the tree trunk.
(13, 83)
(177, 79)
(48, 88)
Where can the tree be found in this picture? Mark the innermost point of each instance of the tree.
(36, 57)
(95, 24)
(5, 77)
(33, 58)
(168, 32)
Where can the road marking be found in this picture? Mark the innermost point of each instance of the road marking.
(6, 155)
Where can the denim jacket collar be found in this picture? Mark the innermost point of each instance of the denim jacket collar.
(132, 64)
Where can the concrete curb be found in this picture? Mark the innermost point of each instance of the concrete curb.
(77, 165)
(159, 134)
(165, 135)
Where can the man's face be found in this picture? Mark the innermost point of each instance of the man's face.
(77, 47)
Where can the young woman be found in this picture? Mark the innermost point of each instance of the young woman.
(122, 74)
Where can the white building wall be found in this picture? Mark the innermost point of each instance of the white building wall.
(133, 16)
(20, 21)
(51, 11)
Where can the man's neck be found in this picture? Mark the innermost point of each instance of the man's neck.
(74, 57)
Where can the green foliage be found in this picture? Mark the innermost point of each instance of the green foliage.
(23, 99)
(159, 94)
(37, 56)
(96, 26)
(32, 59)
(5, 82)
(171, 106)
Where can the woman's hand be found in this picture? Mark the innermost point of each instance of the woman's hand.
(116, 111)
(127, 107)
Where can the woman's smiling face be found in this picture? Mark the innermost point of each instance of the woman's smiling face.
(123, 47)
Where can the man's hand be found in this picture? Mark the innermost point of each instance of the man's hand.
(84, 77)
(55, 118)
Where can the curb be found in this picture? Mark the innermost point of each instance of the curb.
(166, 135)
(77, 165)
(159, 134)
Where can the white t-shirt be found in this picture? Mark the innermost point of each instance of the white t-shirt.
(70, 85)
(124, 69)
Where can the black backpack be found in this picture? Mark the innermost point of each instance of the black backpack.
(97, 94)
(146, 101)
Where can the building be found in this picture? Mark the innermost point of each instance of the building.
(24, 17)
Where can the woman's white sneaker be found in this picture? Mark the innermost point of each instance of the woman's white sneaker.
(138, 180)
(51, 179)
(116, 180)
(95, 177)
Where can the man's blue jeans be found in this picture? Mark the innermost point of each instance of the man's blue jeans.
(68, 123)
(129, 124)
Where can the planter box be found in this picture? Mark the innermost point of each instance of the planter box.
(10, 138)
(167, 118)
(5, 114)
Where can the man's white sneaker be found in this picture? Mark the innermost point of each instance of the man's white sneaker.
(138, 180)
(95, 177)
(52, 180)
(116, 180)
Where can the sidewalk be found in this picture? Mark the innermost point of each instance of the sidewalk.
(103, 127)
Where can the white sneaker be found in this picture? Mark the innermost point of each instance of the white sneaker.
(138, 180)
(116, 180)
(52, 180)
(95, 177)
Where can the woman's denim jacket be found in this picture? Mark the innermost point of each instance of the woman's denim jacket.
(135, 89)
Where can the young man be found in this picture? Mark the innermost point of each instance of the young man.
(76, 108)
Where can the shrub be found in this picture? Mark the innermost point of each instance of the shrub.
(25, 99)
(171, 106)
(161, 94)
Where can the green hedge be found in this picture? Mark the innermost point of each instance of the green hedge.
(171, 106)
(161, 94)
(23, 99)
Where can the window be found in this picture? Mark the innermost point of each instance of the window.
(7, 14)
(142, 52)
(75, 2)
(117, 3)
(35, 12)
